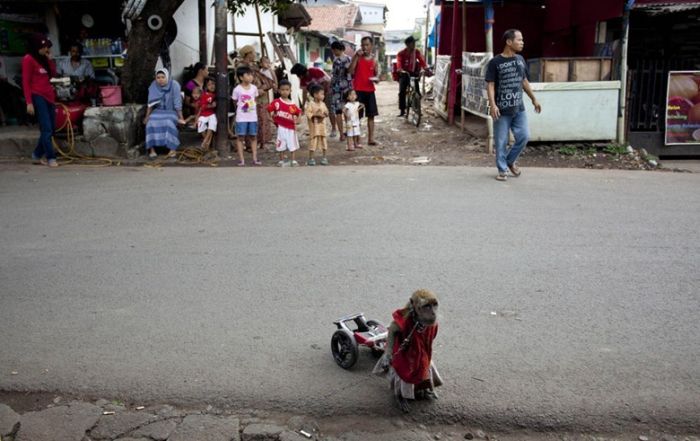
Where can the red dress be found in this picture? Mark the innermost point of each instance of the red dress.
(413, 364)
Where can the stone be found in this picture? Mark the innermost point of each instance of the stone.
(101, 402)
(261, 432)
(298, 423)
(106, 146)
(9, 420)
(62, 423)
(643, 438)
(207, 427)
(480, 434)
(159, 431)
(468, 435)
(113, 426)
(288, 435)
(121, 123)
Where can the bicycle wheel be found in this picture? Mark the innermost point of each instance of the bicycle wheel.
(408, 105)
(415, 103)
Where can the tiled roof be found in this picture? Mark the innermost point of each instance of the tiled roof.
(331, 18)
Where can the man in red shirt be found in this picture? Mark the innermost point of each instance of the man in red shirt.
(410, 62)
(365, 72)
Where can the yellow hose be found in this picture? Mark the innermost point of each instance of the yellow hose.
(188, 156)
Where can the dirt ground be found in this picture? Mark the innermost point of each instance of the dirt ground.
(451, 145)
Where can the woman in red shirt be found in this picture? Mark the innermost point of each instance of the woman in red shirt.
(37, 70)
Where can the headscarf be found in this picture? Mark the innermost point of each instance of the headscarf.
(36, 42)
(166, 97)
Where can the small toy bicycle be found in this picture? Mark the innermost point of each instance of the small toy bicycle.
(346, 340)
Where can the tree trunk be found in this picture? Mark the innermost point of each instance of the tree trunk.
(144, 49)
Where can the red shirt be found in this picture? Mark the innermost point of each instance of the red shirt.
(410, 62)
(365, 69)
(413, 364)
(35, 79)
(314, 75)
(284, 113)
(204, 102)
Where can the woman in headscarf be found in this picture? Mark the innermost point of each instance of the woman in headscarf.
(264, 84)
(37, 69)
(163, 114)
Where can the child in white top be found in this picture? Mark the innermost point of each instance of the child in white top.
(351, 110)
(246, 114)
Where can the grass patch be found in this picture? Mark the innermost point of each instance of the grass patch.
(568, 150)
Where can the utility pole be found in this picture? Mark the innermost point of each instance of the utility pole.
(221, 51)
(202, 15)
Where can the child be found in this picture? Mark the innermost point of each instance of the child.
(317, 112)
(194, 107)
(351, 110)
(365, 73)
(286, 116)
(246, 114)
(206, 121)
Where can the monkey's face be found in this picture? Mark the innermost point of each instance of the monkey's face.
(427, 314)
(425, 304)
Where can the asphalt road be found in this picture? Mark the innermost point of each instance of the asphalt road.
(221, 285)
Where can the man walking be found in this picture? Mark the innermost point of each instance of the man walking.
(409, 62)
(506, 78)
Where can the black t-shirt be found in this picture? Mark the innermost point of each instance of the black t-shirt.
(508, 73)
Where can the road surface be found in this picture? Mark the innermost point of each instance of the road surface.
(569, 298)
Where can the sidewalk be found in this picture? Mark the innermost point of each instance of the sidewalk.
(48, 417)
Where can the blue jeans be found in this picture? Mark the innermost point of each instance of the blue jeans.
(46, 115)
(518, 124)
(246, 128)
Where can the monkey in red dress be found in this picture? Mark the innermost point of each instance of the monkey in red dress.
(407, 359)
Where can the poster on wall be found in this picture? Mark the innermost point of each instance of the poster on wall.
(441, 84)
(474, 96)
(683, 108)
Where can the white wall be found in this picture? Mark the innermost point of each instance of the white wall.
(372, 14)
(185, 50)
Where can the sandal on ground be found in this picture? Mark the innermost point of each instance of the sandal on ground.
(257, 163)
(502, 177)
(52, 163)
(372, 143)
(39, 161)
(359, 146)
(241, 163)
(171, 155)
(515, 170)
(349, 150)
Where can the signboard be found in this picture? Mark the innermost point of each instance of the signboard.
(441, 84)
(683, 108)
(474, 96)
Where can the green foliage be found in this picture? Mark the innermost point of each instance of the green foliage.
(238, 7)
(590, 151)
(568, 150)
(615, 149)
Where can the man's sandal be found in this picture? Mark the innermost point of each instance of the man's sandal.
(515, 170)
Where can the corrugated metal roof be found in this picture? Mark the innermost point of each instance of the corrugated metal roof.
(667, 7)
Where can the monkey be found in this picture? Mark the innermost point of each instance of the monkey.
(407, 359)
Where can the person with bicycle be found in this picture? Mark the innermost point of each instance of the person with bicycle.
(410, 63)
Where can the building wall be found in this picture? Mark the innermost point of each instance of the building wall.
(185, 50)
(372, 14)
